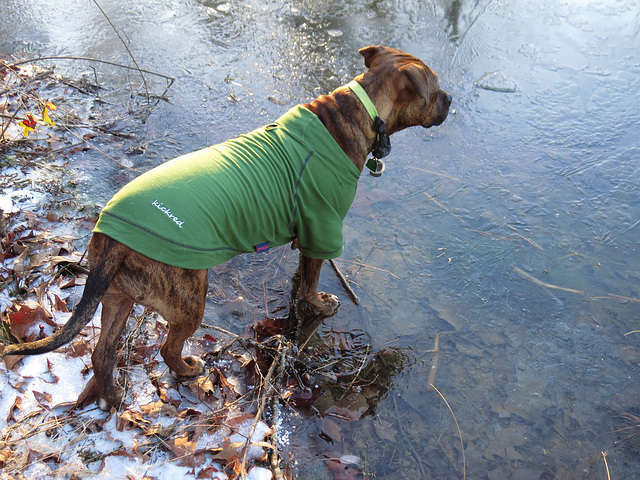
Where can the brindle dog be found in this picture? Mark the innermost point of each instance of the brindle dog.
(405, 92)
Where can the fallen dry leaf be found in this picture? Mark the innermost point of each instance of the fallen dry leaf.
(332, 430)
(78, 348)
(207, 472)
(184, 450)
(27, 321)
(4, 456)
(230, 453)
(203, 386)
(353, 407)
(11, 360)
(53, 378)
(43, 398)
(384, 429)
(14, 408)
(155, 409)
(182, 445)
(57, 303)
(129, 419)
(43, 456)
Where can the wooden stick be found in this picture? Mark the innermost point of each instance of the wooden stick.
(364, 265)
(431, 172)
(529, 241)
(436, 357)
(464, 461)
(606, 465)
(343, 280)
(267, 387)
(546, 285)
(443, 207)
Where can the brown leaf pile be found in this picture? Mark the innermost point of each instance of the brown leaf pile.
(200, 426)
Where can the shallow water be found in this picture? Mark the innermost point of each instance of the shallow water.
(513, 227)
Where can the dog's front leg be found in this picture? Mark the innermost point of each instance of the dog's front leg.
(313, 302)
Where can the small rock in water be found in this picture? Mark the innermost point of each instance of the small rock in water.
(496, 82)
(403, 242)
(334, 33)
(349, 460)
(224, 7)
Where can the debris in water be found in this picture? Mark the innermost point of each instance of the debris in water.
(496, 82)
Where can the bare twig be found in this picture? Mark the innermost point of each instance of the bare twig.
(443, 207)
(431, 380)
(370, 267)
(431, 172)
(490, 235)
(606, 465)
(464, 462)
(436, 356)
(267, 387)
(528, 240)
(275, 455)
(408, 443)
(345, 284)
(133, 59)
(546, 285)
(631, 299)
(90, 59)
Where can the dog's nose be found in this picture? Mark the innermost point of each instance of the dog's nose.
(448, 97)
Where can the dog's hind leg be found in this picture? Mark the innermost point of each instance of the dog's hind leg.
(183, 312)
(116, 308)
(171, 349)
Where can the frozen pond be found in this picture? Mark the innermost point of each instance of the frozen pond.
(507, 237)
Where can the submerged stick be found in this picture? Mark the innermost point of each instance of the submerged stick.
(630, 299)
(606, 465)
(464, 461)
(431, 172)
(370, 267)
(343, 280)
(544, 284)
(443, 207)
(436, 357)
(529, 241)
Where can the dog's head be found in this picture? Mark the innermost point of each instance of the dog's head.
(404, 89)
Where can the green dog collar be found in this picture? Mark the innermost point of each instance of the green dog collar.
(364, 98)
(382, 147)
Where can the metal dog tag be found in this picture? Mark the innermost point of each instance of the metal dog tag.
(375, 166)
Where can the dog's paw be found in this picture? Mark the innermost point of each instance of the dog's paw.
(112, 400)
(320, 304)
(194, 367)
(109, 397)
(104, 405)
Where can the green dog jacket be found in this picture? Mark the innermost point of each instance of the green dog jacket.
(287, 180)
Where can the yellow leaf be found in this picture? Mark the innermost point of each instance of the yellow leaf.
(26, 130)
(45, 117)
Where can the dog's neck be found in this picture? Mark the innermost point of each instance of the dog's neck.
(350, 124)
(382, 146)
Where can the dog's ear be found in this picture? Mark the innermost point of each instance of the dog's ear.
(369, 53)
(414, 79)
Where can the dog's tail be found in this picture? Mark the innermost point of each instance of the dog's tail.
(102, 273)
